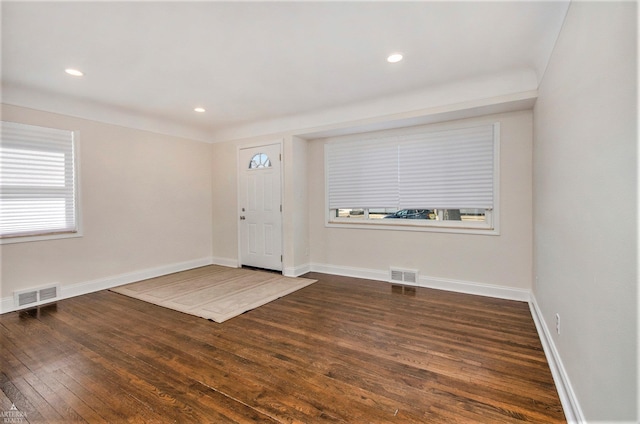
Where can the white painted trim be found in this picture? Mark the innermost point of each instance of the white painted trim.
(44, 237)
(230, 262)
(7, 304)
(296, 271)
(348, 271)
(467, 287)
(568, 399)
(472, 287)
(432, 227)
(72, 290)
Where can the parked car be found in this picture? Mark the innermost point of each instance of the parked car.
(410, 214)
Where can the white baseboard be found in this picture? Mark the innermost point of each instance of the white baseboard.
(570, 405)
(6, 304)
(348, 271)
(230, 262)
(71, 290)
(471, 287)
(468, 287)
(296, 271)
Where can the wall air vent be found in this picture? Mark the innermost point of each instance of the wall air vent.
(403, 275)
(48, 293)
(36, 296)
(27, 298)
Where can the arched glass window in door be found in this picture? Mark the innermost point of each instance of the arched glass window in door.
(260, 160)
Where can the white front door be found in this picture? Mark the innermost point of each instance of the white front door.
(260, 211)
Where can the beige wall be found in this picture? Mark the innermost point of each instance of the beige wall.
(225, 203)
(585, 210)
(296, 207)
(146, 203)
(503, 260)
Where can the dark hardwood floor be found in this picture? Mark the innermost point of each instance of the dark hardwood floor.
(341, 350)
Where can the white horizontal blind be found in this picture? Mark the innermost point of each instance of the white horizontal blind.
(362, 174)
(450, 169)
(413, 168)
(37, 181)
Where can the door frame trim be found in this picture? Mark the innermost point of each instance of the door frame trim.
(280, 143)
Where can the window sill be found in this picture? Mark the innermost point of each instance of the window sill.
(41, 237)
(440, 227)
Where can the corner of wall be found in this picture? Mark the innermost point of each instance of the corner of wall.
(570, 405)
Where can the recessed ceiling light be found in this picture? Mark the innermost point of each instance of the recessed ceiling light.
(396, 57)
(199, 109)
(74, 72)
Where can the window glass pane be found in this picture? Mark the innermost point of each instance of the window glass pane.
(260, 160)
(458, 218)
(412, 214)
(478, 215)
(381, 213)
(350, 213)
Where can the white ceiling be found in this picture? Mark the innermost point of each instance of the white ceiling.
(247, 62)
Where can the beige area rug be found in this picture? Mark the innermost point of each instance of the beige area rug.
(214, 292)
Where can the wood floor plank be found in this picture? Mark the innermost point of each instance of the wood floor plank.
(264, 353)
(254, 353)
(342, 350)
(157, 354)
(388, 368)
(28, 400)
(146, 384)
(353, 368)
(42, 378)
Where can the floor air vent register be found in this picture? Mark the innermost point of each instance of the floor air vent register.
(398, 275)
(37, 296)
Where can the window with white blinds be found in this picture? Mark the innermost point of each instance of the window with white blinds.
(362, 174)
(449, 169)
(37, 182)
(415, 173)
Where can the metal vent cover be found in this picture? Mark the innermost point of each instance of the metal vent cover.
(48, 293)
(36, 296)
(26, 298)
(398, 275)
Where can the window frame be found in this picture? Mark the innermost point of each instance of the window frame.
(489, 227)
(53, 234)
